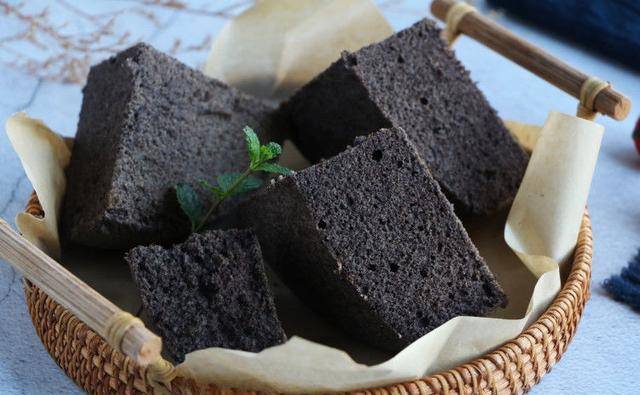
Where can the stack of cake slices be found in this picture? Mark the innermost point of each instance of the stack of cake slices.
(401, 141)
(414, 82)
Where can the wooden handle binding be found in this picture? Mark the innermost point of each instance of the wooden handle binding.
(608, 101)
(89, 306)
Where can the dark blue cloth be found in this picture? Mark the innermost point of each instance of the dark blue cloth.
(610, 27)
(626, 286)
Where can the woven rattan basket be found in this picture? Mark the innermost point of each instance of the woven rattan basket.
(511, 369)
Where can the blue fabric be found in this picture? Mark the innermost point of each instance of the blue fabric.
(625, 287)
(610, 27)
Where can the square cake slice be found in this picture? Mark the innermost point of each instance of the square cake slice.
(147, 123)
(411, 80)
(368, 239)
(210, 291)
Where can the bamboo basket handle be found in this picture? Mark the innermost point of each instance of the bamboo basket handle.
(604, 100)
(132, 338)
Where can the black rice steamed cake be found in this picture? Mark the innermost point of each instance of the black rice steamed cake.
(147, 123)
(210, 291)
(367, 239)
(411, 80)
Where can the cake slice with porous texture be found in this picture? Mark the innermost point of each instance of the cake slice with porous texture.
(368, 239)
(210, 291)
(411, 80)
(147, 123)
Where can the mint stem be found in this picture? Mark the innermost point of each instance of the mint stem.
(214, 207)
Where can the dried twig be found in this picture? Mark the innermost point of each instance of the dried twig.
(55, 52)
(225, 12)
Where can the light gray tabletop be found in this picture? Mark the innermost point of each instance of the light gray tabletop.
(605, 354)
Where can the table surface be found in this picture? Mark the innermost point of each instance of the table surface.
(605, 354)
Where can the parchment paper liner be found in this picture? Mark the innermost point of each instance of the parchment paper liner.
(278, 45)
(541, 229)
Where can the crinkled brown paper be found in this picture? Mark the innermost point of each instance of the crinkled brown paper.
(277, 45)
(540, 232)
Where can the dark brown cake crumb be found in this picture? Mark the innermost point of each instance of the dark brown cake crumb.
(148, 122)
(368, 239)
(411, 80)
(210, 291)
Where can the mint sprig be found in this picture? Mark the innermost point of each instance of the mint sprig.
(231, 184)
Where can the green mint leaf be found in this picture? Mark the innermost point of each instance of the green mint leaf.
(253, 144)
(275, 149)
(249, 184)
(217, 191)
(227, 180)
(190, 204)
(265, 154)
(270, 151)
(274, 168)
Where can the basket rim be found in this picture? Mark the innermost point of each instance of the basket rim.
(513, 367)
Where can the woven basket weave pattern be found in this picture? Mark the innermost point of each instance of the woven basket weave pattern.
(512, 369)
